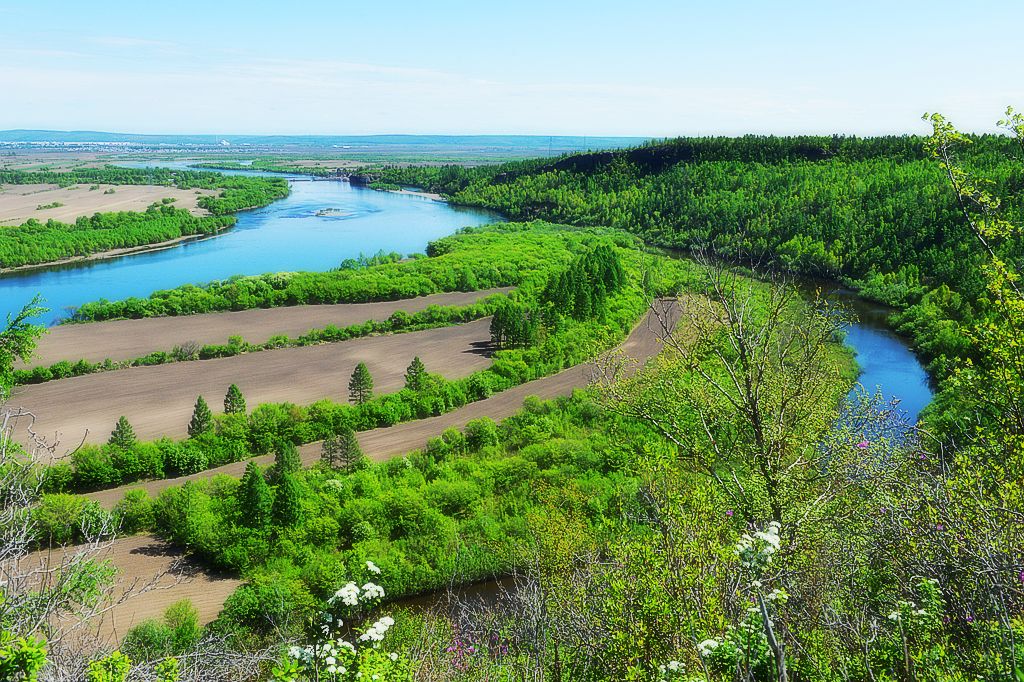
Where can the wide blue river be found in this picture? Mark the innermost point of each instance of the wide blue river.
(284, 236)
(290, 235)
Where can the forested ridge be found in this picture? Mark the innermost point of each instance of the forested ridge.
(872, 211)
(875, 213)
(36, 242)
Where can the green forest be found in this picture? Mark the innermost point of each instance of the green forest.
(875, 213)
(35, 242)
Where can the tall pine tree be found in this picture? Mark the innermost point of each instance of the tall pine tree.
(202, 419)
(416, 375)
(123, 435)
(234, 402)
(287, 508)
(342, 452)
(254, 498)
(360, 386)
(286, 460)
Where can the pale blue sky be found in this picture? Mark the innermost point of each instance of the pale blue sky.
(558, 67)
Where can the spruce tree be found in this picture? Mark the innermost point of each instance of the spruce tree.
(360, 386)
(234, 402)
(202, 419)
(287, 508)
(286, 460)
(416, 375)
(342, 452)
(123, 435)
(254, 499)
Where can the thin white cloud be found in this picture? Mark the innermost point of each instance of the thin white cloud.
(278, 95)
(128, 42)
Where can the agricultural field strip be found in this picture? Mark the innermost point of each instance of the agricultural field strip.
(130, 339)
(151, 576)
(158, 400)
(144, 559)
(19, 203)
(386, 442)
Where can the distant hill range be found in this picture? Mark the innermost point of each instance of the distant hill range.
(535, 145)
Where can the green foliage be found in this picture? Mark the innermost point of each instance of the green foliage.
(254, 498)
(123, 435)
(506, 254)
(111, 668)
(202, 419)
(415, 375)
(342, 452)
(21, 658)
(135, 511)
(286, 460)
(234, 402)
(153, 640)
(17, 341)
(360, 386)
(287, 509)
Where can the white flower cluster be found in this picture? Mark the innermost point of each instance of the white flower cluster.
(351, 594)
(372, 568)
(755, 551)
(908, 606)
(333, 655)
(707, 647)
(372, 591)
(376, 632)
(671, 670)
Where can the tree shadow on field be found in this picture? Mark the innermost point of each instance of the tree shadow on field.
(481, 348)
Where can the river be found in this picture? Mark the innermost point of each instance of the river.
(290, 235)
(284, 236)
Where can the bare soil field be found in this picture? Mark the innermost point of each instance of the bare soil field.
(384, 443)
(18, 203)
(158, 400)
(127, 339)
(151, 576)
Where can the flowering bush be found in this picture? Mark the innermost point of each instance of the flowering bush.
(340, 652)
(746, 646)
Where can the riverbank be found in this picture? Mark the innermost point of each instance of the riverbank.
(433, 196)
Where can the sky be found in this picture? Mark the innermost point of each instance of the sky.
(560, 67)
